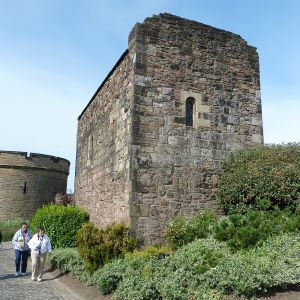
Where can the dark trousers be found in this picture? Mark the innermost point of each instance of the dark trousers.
(21, 256)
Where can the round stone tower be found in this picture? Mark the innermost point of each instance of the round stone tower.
(28, 181)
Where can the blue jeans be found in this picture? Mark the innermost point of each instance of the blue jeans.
(21, 255)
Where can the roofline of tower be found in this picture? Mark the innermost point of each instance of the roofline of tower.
(31, 154)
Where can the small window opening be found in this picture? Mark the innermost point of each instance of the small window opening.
(189, 109)
(25, 188)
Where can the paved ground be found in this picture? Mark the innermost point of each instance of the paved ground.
(53, 287)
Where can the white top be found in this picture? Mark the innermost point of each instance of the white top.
(40, 244)
(21, 239)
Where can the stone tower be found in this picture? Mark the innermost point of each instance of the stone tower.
(151, 140)
(27, 182)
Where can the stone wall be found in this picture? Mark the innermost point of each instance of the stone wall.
(175, 166)
(171, 168)
(29, 181)
(103, 138)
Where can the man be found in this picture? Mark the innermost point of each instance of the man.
(20, 242)
(40, 245)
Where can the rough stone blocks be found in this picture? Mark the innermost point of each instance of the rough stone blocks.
(151, 141)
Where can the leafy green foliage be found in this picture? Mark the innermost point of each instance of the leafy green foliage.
(171, 277)
(239, 231)
(204, 269)
(99, 246)
(264, 172)
(61, 223)
(248, 273)
(185, 230)
(68, 260)
(108, 278)
(245, 231)
(151, 251)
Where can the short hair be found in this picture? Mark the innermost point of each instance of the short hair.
(41, 228)
(23, 223)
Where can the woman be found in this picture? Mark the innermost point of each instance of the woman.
(20, 242)
(40, 245)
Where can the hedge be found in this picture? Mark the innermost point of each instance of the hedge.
(61, 223)
(269, 172)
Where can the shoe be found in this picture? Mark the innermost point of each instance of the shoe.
(23, 274)
(17, 274)
(39, 279)
(33, 278)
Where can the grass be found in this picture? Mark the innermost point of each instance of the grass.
(9, 227)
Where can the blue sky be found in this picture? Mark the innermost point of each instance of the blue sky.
(55, 53)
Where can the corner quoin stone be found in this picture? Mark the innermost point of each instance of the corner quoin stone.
(137, 160)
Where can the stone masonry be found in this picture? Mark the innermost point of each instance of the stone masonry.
(140, 160)
(27, 182)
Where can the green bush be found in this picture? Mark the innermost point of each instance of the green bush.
(250, 273)
(204, 269)
(172, 277)
(68, 260)
(185, 230)
(61, 223)
(109, 277)
(245, 231)
(265, 172)
(99, 246)
(239, 231)
(151, 251)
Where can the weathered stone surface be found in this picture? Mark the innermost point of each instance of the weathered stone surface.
(144, 164)
(27, 182)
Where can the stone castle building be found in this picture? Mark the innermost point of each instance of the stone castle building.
(151, 140)
(28, 181)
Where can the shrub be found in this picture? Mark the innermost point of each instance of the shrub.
(172, 277)
(151, 251)
(185, 230)
(109, 277)
(68, 260)
(99, 246)
(245, 231)
(61, 223)
(205, 269)
(250, 273)
(134, 288)
(265, 172)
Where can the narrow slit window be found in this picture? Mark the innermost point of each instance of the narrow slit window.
(189, 108)
(25, 188)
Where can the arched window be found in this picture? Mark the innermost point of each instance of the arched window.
(189, 111)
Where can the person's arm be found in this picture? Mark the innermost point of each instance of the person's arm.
(15, 239)
(32, 243)
(49, 246)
